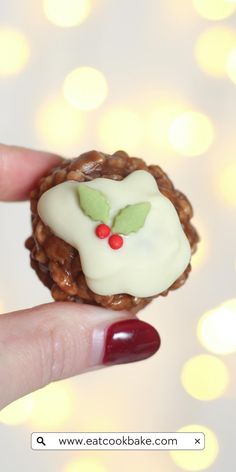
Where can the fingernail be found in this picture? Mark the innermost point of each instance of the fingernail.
(130, 341)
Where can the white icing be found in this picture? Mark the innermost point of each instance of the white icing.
(148, 262)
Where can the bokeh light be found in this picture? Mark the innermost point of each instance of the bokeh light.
(216, 328)
(227, 183)
(59, 125)
(205, 377)
(213, 48)
(67, 13)
(85, 465)
(231, 66)
(14, 51)
(17, 412)
(201, 459)
(85, 88)
(159, 122)
(120, 128)
(214, 9)
(191, 133)
(53, 406)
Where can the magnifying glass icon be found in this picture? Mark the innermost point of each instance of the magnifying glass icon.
(40, 440)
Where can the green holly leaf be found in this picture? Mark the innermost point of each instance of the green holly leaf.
(93, 203)
(131, 218)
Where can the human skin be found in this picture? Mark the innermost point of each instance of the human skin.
(58, 340)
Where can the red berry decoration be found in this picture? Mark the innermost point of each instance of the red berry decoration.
(102, 231)
(115, 241)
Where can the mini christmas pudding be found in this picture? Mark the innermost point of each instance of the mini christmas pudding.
(110, 231)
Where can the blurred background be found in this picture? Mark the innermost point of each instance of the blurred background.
(158, 79)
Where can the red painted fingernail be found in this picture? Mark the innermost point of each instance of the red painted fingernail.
(130, 341)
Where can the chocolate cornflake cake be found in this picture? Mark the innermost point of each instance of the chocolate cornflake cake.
(110, 231)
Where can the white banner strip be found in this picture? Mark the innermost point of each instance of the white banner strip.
(118, 441)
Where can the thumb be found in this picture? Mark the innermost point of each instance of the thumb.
(58, 340)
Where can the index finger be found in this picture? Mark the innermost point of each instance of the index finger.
(20, 169)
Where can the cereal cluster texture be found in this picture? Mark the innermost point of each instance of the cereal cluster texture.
(58, 265)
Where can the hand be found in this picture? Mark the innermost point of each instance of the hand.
(58, 340)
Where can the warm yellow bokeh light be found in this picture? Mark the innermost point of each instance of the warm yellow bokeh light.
(191, 134)
(14, 51)
(205, 377)
(59, 125)
(85, 465)
(120, 128)
(201, 459)
(213, 48)
(17, 412)
(159, 122)
(214, 9)
(53, 406)
(216, 328)
(67, 13)
(231, 66)
(227, 183)
(85, 88)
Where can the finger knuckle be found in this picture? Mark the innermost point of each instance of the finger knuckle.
(57, 352)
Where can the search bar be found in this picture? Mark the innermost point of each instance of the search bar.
(118, 441)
